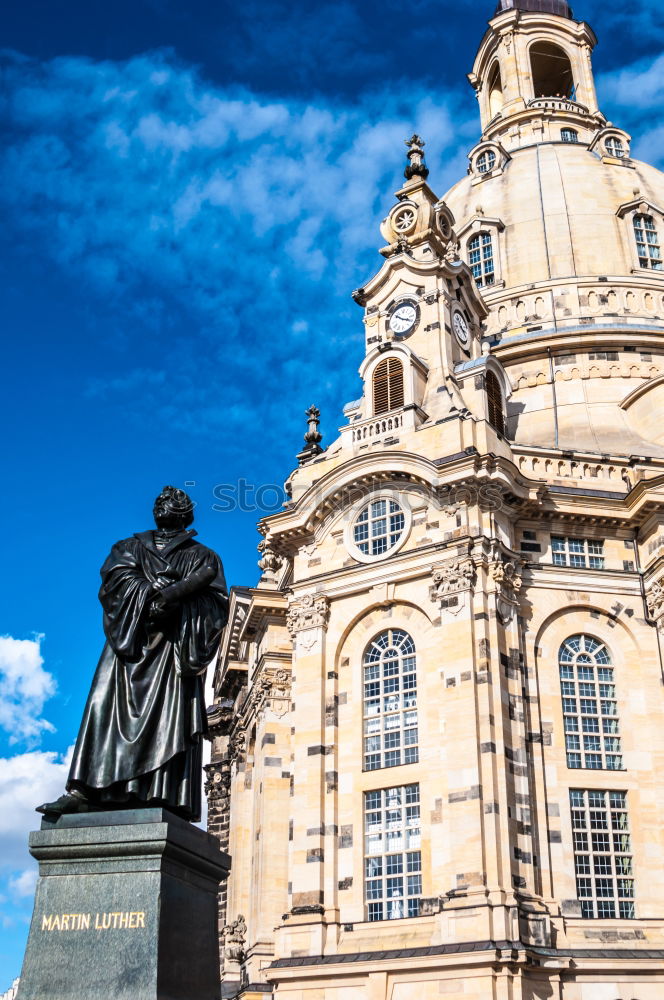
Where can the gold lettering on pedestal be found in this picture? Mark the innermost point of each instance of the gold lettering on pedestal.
(117, 921)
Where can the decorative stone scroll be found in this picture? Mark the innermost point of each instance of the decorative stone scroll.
(506, 575)
(310, 611)
(450, 582)
(655, 601)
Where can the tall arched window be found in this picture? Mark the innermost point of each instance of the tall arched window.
(590, 709)
(494, 397)
(552, 71)
(481, 260)
(390, 701)
(495, 91)
(647, 242)
(388, 386)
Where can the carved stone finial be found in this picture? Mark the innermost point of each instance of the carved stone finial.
(416, 165)
(270, 562)
(313, 437)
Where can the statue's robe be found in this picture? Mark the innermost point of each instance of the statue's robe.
(141, 736)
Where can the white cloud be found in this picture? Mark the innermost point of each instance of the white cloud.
(22, 886)
(24, 688)
(26, 781)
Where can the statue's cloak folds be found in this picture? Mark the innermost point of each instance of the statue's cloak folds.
(142, 729)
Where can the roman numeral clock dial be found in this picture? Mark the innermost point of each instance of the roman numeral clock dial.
(404, 318)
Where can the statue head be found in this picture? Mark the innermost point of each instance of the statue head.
(173, 509)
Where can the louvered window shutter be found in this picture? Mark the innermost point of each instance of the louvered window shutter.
(495, 403)
(388, 386)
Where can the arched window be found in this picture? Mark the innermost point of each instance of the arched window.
(552, 71)
(494, 397)
(390, 701)
(388, 386)
(569, 135)
(615, 147)
(480, 258)
(590, 709)
(647, 242)
(495, 91)
(486, 161)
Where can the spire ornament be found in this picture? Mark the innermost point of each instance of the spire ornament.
(416, 165)
(313, 437)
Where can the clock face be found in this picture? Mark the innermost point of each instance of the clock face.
(461, 328)
(403, 319)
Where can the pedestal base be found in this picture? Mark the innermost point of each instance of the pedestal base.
(125, 909)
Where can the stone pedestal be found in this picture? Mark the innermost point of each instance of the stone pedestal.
(125, 909)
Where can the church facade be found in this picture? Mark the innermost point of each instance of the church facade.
(437, 729)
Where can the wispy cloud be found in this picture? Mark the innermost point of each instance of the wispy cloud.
(250, 216)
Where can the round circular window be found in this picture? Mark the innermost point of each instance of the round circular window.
(403, 220)
(379, 528)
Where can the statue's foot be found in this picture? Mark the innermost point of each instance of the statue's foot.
(67, 803)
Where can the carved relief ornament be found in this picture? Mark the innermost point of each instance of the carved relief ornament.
(506, 575)
(450, 582)
(655, 600)
(310, 611)
(235, 936)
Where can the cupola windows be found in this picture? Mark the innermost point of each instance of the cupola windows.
(647, 242)
(495, 406)
(552, 71)
(388, 392)
(486, 161)
(495, 92)
(481, 259)
(569, 135)
(615, 147)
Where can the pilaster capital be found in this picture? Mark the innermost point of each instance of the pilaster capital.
(309, 611)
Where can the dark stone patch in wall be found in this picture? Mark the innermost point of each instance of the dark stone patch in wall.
(553, 809)
(518, 882)
(346, 883)
(268, 738)
(523, 856)
(331, 706)
(273, 762)
(332, 675)
(485, 645)
(483, 676)
(487, 747)
(491, 807)
(315, 855)
(464, 796)
(450, 682)
(345, 661)
(331, 781)
(319, 751)
(316, 831)
(342, 699)
(346, 836)
(331, 830)
(555, 837)
(290, 829)
(466, 675)
(302, 899)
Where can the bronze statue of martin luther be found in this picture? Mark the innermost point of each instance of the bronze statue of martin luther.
(165, 603)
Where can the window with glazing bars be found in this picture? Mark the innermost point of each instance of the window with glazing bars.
(569, 135)
(390, 701)
(480, 258)
(388, 386)
(495, 402)
(590, 709)
(615, 147)
(392, 855)
(647, 242)
(602, 854)
(582, 553)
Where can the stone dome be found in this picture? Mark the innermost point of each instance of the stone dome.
(562, 222)
(560, 7)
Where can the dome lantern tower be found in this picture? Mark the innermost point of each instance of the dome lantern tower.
(533, 69)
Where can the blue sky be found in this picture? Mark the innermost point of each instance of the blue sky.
(189, 193)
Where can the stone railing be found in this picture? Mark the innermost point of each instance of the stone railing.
(11, 992)
(558, 104)
(370, 430)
